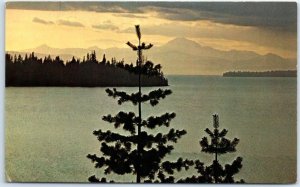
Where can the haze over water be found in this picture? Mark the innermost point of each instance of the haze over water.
(49, 130)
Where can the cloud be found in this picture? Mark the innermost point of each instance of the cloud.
(116, 7)
(41, 21)
(59, 22)
(270, 15)
(129, 15)
(106, 26)
(253, 35)
(280, 15)
(70, 23)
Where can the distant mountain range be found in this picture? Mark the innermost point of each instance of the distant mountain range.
(181, 56)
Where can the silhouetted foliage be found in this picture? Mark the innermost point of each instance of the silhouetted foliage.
(33, 71)
(139, 152)
(288, 73)
(217, 145)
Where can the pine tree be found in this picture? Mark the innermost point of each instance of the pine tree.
(140, 153)
(218, 145)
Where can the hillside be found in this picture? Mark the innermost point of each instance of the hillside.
(290, 73)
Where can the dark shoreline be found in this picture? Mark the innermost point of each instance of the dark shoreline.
(31, 71)
(288, 73)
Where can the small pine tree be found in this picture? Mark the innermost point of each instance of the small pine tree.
(140, 153)
(218, 145)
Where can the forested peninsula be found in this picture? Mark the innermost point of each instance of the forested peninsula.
(288, 73)
(33, 71)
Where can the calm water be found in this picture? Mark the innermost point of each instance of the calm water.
(49, 130)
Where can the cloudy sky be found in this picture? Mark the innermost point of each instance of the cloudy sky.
(260, 27)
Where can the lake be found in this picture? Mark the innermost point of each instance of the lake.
(48, 130)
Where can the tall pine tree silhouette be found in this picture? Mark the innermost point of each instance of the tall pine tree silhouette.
(218, 145)
(140, 153)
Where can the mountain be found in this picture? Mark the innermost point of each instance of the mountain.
(184, 56)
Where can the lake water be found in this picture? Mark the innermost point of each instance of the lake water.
(49, 130)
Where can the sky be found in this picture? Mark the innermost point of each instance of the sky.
(264, 27)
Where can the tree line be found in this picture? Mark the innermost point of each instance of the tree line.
(29, 70)
(288, 73)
